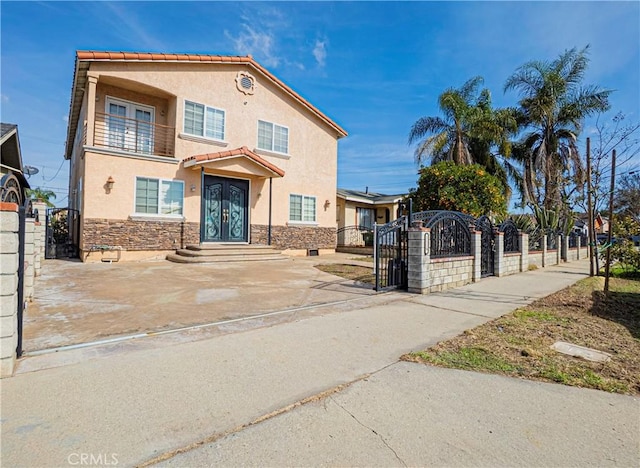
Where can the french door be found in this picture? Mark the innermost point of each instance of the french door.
(224, 210)
(129, 126)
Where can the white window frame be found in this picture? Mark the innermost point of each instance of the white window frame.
(204, 121)
(131, 107)
(271, 150)
(302, 220)
(159, 214)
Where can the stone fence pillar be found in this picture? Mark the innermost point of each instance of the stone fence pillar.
(578, 242)
(544, 251)
(565, 248)
(419, 259)
(559, 248)
(29, 259)
(476, 251)
(41, 230)
(8, 287)
(524, 251)
(498, 259)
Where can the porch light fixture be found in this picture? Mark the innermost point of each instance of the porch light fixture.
(193, 187)
(327, 204)
(109, 185)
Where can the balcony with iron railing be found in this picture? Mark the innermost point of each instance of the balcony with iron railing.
(133, 136)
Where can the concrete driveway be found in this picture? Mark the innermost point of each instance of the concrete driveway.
(79, 303)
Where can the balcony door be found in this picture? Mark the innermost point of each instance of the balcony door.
(129, 126)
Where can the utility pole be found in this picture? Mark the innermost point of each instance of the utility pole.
(613, 186)
(591, 233)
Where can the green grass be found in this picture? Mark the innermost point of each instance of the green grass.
(469, 359)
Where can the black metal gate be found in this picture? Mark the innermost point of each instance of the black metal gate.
(63, 233)
(487, 246)
(391, 254)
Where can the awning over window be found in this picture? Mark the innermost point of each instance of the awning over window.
(237, 161)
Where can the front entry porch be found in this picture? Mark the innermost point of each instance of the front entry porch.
(225, 210)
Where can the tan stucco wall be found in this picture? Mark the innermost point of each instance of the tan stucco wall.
(347, 213)
(310, 169)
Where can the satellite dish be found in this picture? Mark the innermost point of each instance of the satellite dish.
(30, 170)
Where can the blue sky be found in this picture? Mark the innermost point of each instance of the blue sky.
(373, 67)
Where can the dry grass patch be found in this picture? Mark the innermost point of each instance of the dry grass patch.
(352, 272)
(519, 344)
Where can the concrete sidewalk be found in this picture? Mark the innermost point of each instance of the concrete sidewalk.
(135, 402)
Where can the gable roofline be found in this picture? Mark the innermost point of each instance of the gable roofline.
(85, 57)
(242, 151)
(368, 197)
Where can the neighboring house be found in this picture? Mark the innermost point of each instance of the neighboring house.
(356, 213)
(175, 149)
(13, 185)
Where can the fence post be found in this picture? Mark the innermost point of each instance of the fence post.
(565, 247)
(578, 242)
(29, 259)
(419, 258)
(544, 250)
(41, 229)
(476, 251)
(499, 253)
(9, 244)
(559, 246)
(524, 251)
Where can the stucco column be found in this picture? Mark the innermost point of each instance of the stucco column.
(92, 82)
(578, 241)
(565, 248)
(544, 250)
(524, 251)
(29, 258)
(41, 230)
(476, 251)
(419, 259)
(498, 253)
(558, 249)
(8, 287)
(37, 242)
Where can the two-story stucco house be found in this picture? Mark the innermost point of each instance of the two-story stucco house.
(168, 150)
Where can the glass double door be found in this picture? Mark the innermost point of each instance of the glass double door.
(224, 210)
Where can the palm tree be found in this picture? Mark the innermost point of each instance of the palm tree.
(553, 105)
(42, 195)
(469, 131)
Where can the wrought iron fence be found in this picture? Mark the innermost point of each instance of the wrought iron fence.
(355, 236)
(135, 136)
(552, 239)
(535, 240)
(511, 236)
(391, 254)
(573, 239)
(450, 234)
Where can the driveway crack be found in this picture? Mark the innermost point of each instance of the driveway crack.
(371, 429)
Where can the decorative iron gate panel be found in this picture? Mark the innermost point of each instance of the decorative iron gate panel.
(63, 233)
(487, 246)
(391, 254)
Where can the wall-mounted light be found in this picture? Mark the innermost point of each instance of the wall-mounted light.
(109, 185)
(327, 204)
(193, 187)
(97, 97)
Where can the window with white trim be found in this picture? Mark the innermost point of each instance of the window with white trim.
(159, 196)
(200, 120)
(302, 208)
(273, 137)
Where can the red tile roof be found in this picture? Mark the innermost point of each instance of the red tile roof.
(244, 151)
(87, 55)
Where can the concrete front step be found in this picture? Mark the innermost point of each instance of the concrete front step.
(225, 258)
(212, 253)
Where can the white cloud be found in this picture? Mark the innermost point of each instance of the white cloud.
(125, 23)
(320, 52)
(259, 44)
(4, 98)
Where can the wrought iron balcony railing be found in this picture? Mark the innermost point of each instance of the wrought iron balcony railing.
(135, 136)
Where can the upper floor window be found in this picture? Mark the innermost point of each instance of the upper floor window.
(200, 120)
(272, 137)
(159, 196)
